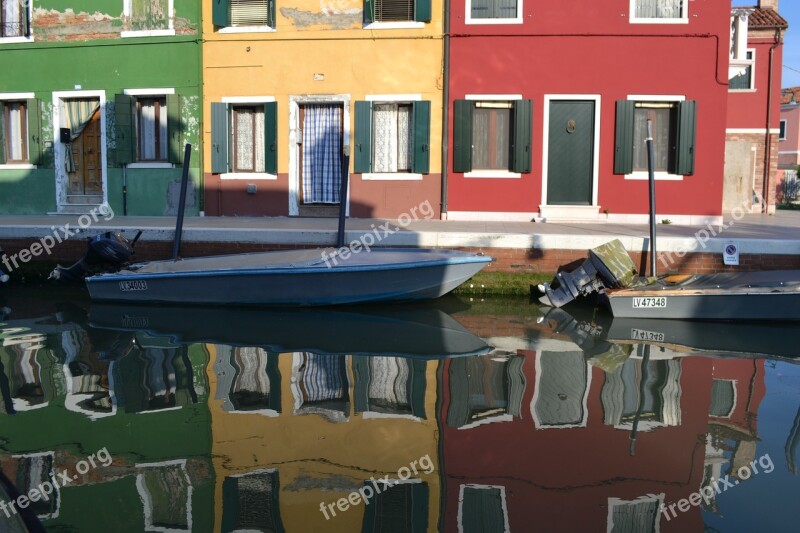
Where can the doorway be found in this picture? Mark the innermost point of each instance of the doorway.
(85, 174)
(571, 153)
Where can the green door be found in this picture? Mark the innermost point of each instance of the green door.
(570, 163)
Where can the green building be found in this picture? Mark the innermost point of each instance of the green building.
(97, 101)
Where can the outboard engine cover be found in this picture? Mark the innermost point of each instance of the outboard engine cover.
(107, 252)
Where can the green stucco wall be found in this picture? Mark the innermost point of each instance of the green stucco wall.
(70, 52)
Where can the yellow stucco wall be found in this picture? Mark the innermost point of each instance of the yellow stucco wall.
(322, 48)
(319, 460)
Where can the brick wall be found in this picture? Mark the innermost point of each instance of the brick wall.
(506, 259)
(757, 140)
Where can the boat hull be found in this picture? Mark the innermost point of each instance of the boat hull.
(760, 295)
(383, 275)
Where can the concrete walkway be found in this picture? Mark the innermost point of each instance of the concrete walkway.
(778, 234)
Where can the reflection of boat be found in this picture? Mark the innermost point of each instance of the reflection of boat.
(292, 277)
(596, 334)
(610, 272)
(414, 331)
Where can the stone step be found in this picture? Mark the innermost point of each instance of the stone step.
(77, 209)
(85, 199)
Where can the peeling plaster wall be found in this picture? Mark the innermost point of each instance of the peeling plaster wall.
(336, 19)
(52, 25)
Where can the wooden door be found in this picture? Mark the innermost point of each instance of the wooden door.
(86, 152)
(570, 167)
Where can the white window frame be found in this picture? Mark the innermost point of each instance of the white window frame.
(152, 93)
(492, 173)
(147, 501)
(394, 25)
(16, 97)
(244, 100)
(23, 39)
(469, 20)
(537, 422)
(684, 19)
(266, 28)
(503, 504)
(643, 174)
(734, 63)
(783, 127)
(734, 385)
(617, 502)
(392, 176)
(126, 11)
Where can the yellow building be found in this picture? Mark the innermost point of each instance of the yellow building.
(288, 86)
(299, 440)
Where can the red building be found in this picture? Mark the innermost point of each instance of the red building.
(549, 103)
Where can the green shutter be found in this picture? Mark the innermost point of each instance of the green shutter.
(219, 138)
(176, 147)
(33, 110)
(523, 136)
(274, 376)
(271, 21)
(462, 136)
(124, 137)
(363, 149)
(271, 137)
(687, 135)
(2, 134)
(361, 377)
(422, 137)
(422, 10)
(623, 148)
(369, 11)
(417, 387)
(221, 13)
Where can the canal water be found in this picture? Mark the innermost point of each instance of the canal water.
(463, 415)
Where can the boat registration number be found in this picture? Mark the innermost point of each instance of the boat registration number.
(650, 302)
(643, 335)
(135, 285)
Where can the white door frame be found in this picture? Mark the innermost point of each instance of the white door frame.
(59, 121)
(548, 98)
(295, 136)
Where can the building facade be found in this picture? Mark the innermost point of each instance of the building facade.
(754, 93)
(789, 146)
(288, 87)
(100, 101)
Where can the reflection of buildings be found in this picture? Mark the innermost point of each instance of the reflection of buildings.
(294, 431)
(541, 437)
(146, 407)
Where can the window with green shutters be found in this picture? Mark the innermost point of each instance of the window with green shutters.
(492, 136)
(243, 13)
(392, 137)
(674, 136)
(244, 138)
(20, 132)
(148, 129)
(397, 11)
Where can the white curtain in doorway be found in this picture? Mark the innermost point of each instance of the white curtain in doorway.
(322, 146)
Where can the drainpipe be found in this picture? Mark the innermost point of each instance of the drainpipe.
(768, 137)
(446, 106)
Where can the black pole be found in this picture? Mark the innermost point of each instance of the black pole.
(343, 196)
(652, 178)
(642, 390)
(176, 245)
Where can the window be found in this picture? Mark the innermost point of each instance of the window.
(482, 508)
(389, 386)
(658, 406)
(640, 515)
(674, 133)
(148, 18)
(782, 135)
(397, 507)
(15, 19)
(485, 390)
(20, 130)
(393, 11)
(243, 138)
(165, 490)
(723, 398)
(320, 385)
(392, 138)
(244, 14)
(492, 11)
(740, 76)
(562, 386)
(659, 11)
(492, 135)
(148, 128)
(250, 502)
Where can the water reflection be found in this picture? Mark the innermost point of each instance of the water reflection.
(226, 420)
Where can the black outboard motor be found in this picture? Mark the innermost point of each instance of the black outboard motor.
(3, 276)
(107, 252)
